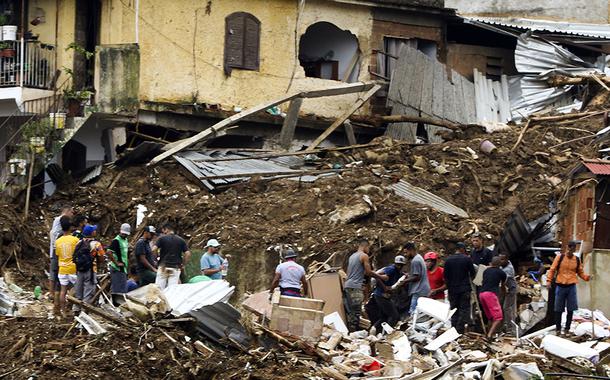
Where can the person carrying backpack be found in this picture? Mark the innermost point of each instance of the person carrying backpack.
(564, 275)
(88, 254)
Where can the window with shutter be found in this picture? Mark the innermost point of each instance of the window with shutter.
(242, 42)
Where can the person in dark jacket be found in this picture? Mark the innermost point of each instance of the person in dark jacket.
(458, 273)
(479, 254)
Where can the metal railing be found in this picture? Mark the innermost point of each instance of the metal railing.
(27, 63)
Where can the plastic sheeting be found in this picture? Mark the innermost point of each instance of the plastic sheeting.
(186, 297)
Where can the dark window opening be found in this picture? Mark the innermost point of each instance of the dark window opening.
(327, 52)
(242, 42)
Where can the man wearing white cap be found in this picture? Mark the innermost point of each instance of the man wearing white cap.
(119, 260)
(173, 254)
(211, 262)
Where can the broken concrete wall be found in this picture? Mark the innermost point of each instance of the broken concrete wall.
(182, 49)
(594, 294)
(590, 11)
(117, 75)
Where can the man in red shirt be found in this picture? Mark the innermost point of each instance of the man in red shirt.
(435, 276)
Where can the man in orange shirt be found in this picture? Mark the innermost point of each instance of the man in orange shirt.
(564, 273)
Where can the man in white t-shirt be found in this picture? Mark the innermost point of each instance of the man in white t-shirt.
(289, 276)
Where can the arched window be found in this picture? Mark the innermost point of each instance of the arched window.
(242, 42)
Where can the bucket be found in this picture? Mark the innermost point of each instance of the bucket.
(487, 147)
(9, 33)
(58, 120)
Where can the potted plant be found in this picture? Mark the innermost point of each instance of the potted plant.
(76, 100)
(7, 50)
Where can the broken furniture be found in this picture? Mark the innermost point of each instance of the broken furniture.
(327, 287)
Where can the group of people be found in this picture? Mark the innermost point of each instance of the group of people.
(397, 289)
(77, 257)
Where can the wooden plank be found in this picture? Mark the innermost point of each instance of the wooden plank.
(438, 90)
(448, 107)
(223, 124)
(417, 82)
(459, 98)
(468, 93)
(290, 123)
(350, 66)
(349, 132)
(361, 100)
(427, 89)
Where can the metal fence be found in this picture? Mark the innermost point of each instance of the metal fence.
(30, 66)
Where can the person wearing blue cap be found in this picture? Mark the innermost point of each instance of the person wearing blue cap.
(88, 255)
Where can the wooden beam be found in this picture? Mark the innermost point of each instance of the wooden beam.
(98, 311)
(218, 127)
(349, 132)
(344, 117)
(290, 123)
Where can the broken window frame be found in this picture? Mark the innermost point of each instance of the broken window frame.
(247, 61)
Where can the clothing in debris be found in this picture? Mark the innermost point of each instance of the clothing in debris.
(481, 256)
(355, 272)
(171, 249)
(568, 272)
(491, 305)
(493, 277)
(437, 280)
(64, 248)
(131, 285)
(212, 261)
(291, 274)
(143, 249)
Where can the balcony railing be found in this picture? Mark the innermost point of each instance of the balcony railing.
(30, 66)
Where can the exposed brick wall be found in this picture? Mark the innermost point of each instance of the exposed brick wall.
(577, 220)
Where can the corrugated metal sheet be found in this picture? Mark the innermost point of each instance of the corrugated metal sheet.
(598, 167)
(536, 61)
(196, 164)
(601, 31)
(183, 298)
(94, 173)
(220, 323)
(419, 195)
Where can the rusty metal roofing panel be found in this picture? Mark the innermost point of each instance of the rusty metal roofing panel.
(601, 31)
(418, 195)
(598, 167)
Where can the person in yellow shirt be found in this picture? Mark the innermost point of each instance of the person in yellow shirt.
(64, 249)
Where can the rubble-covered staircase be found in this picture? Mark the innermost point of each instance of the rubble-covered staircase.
(57, 130)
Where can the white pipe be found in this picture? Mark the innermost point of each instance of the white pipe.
(21, 61)
(136, 21)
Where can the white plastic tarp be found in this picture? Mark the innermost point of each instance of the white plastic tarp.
(183, 298)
